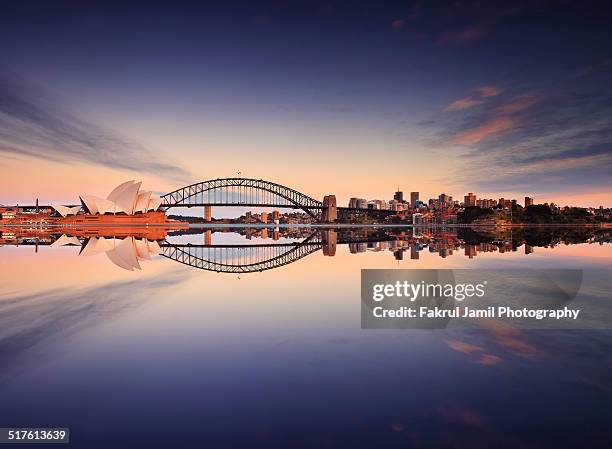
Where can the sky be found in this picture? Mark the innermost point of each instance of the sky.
(504, 99)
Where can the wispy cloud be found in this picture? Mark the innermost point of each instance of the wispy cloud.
(464, 34)
(398, 24)
(32, 124)
(481, 95)
(488, 129)
(548, 137)
(520, 104)
(466, 22)
(463, 103)
(488, 91)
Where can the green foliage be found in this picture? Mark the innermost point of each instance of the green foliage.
(472, 213)
(537, 213)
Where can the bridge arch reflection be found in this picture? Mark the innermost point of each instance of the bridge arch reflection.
(239, 258)
(249, 258)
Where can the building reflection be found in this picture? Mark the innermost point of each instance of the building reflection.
(259, 249)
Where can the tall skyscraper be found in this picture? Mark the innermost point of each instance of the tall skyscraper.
(414, 197)
(469, 199)
(528, 201)
(398, 196)
(414, 252)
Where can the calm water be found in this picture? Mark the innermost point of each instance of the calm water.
(171, 355)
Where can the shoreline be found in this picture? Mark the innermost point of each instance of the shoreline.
(182, 225)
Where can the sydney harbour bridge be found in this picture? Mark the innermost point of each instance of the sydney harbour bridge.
(249, 192)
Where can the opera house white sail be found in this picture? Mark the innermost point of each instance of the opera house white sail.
(125, 198)
(64, 211)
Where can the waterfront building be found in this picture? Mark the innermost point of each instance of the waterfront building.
(486, 203)
(396, 205)
(378, 205)
(414, 252)
(126, 198)
(469, 200)
(358, 203)
(414, 198)
(528, 201)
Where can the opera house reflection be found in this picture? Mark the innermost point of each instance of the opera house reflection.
(245, 249)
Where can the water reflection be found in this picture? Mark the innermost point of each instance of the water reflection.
(260, 249)
(30, 319)
(171, 356)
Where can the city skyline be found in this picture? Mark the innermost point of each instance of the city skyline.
(438, 98)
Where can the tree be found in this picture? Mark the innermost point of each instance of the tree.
(472, 213)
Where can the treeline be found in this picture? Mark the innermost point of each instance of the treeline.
(534, 214)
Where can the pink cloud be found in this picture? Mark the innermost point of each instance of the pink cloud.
(398, 24)
(489, 360)
(462, 346)
(520, 104)
(555, 163)
(470, 102)
(490, 128)
(465, 416)
(464, 103)
(488, 91)
(463, 35)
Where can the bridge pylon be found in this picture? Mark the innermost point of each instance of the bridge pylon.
(329, 238)
(330, 210)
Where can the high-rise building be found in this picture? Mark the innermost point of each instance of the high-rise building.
(355, 203)
(396, 205)
(470, 251)
(486, 203)
(528, 201)
(377, 204)
(414, 251)
(469, 200)
(414, 197)
(399, 196)
(505, 203)
(443, 199)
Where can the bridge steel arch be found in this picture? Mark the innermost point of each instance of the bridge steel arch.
(241, 192)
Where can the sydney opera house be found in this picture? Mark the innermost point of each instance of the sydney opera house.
(125, 199)
(125, 205)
